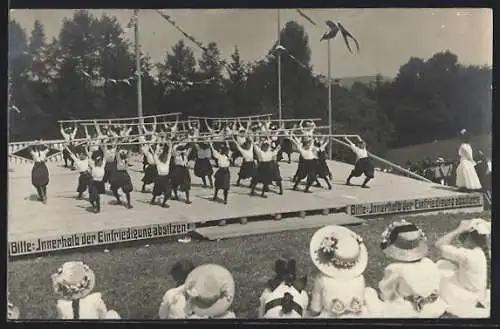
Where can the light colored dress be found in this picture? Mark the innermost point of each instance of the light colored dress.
(464, 281)
(92, 307)
(334, 298)
(466, 172)
(173, 305)
(301, 298)
(411, 290)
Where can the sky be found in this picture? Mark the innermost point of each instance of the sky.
(387, 37)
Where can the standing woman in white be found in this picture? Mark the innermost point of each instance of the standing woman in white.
(467, 178)
(40, 172)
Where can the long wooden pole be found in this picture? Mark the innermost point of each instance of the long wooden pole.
(138, 65)
(280, 114)
(330, 130)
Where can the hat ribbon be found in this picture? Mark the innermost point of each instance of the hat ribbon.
(393, 237)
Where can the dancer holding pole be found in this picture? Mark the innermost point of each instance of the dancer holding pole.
(222, 176)
(82, 165)
(68, 134)
(363, 164)
(162, 182)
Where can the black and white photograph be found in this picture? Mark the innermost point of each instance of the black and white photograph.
(279, 163)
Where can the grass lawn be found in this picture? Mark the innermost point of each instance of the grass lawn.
(134, 279)
(445, 148)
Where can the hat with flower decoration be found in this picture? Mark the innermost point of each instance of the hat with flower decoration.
(210, 290)
(404, 241)
(338, 252)
(74, 280)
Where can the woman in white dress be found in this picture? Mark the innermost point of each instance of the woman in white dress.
(410, 286)
(285, 295)
(467, 178)
(73, 283)
(173, 304)
(210, 289)
(465, 269)
(339, 290)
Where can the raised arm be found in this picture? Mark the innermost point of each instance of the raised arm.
(215, 153)
(98, 129)
(74, 131)
(208, 127)
(63, 133)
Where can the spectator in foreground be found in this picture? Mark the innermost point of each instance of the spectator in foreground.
(210, 291)
(465, 269)
(410, 286)
(12, 311)
(285, 295)
(74, 282)
(339, 290)
(173, 305)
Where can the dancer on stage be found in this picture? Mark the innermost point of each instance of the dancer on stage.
(247, 168)
(309, 162)
(240, 139)
(68, 134)
(467, 179)
(265, 172)
(93, 142)
(96, 184)
(162, 180)
(82, 165)
(202, 166)
(363, 164)
(108, 153)
(40, 172)
(322, 169)
(275, 147)
(150, 171)
(120, 178)
(180, 176)
(222, 176)
(152, 132)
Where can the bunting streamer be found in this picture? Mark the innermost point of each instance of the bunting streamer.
(174, 24)
(301, 13)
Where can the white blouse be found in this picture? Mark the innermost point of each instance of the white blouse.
(301, 298)
(222, 160)
(81, 165)
(39, 156)
(173, 304)
(203, 153)
(360, 153)
(465, 152)
(264, 156)
(163, 168)
(307, 154)
(97, 172)
(334, 298)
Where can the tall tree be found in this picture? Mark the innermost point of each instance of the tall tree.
(235, 87)
(212, 100)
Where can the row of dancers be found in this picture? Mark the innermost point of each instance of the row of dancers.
(102, 162)
(411, 286)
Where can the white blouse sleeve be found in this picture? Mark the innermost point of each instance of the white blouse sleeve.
(99, 305)
(316, 300)
(164, 307)
(454, 254)
(262, 299)
(389, 284)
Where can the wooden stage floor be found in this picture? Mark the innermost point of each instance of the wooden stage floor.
(30, 219)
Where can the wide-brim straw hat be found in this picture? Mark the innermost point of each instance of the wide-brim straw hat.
(404, 241)
(338, 252)
(74, 280)
(209, 290)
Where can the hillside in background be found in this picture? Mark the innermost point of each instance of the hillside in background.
(445, 148)
(366, 79)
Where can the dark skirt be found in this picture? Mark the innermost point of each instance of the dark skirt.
(83, 182)
(96, 154)
(40, 174)
(300, 170)
(181, 179)
(276, 172)
(222, 179)
(95, 189)
(66, 155)
(286, 146)
(307, 169)
(247, 170)
(363, 166)
(109, 168)
(203, 168)
(145, 161)
(150, 174)
(162, 185)
(121, 179)
(484, 178)
(322, 169)
(264, 173)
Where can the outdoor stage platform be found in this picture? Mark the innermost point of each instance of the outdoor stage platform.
(67, 223)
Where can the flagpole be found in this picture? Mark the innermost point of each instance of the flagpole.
(138, 65)
(279, 67)
(329, 98)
